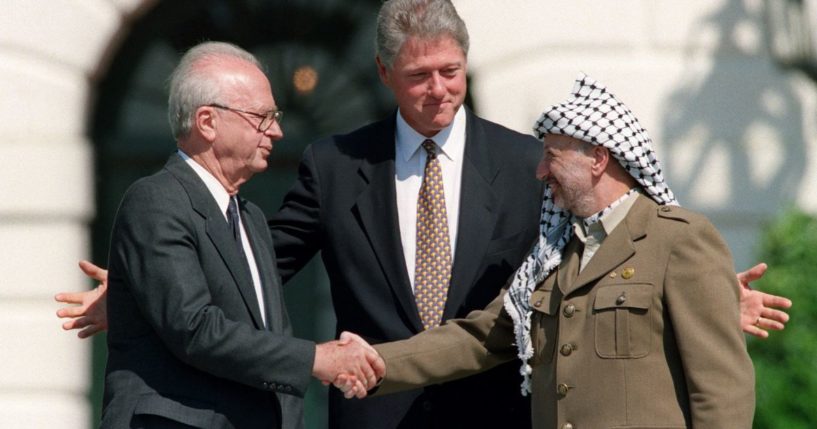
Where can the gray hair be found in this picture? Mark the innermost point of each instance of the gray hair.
(400, 19)
(192, 86)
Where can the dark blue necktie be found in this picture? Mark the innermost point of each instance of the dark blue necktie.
(234, 220)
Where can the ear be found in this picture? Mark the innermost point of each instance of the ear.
(601, 157)
(205, 121)
(382, 71)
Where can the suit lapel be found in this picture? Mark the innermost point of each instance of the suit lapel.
(376, 208)
(219, 233)
(476, 215)
(618, 246)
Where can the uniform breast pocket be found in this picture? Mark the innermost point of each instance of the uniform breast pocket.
(544, 325)
(622, 320)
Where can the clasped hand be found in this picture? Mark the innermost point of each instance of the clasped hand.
(349, 363)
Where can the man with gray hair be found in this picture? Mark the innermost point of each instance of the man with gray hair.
(625, 312)
(198, 331)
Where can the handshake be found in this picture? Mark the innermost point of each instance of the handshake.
(350, 363)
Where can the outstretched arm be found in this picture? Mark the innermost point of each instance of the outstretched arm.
(758, 310)
(90, 312)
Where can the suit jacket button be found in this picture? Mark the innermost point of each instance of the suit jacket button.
(567, 426)
(569, 310)
(567, 349)
(562, 389)
(537, 304)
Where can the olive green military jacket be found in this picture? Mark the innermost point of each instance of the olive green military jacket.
(647, 335)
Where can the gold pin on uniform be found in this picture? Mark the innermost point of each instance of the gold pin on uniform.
(628, 272)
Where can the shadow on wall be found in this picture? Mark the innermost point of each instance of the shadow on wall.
(734, 124)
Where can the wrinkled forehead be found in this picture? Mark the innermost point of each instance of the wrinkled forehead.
(563, 142)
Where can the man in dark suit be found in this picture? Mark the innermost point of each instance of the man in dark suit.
(356, 201)
(198, 330)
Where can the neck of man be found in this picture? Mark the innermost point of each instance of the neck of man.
(203, 155)
(614, 183)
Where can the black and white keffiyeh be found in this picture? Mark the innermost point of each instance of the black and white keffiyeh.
(592, 114)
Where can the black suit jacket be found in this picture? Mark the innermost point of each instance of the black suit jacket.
(186, 342)
(344, 205)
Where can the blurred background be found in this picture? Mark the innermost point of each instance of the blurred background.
(725, 87)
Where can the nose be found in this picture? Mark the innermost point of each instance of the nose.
(543, 169)
(274, 132)
(436, 86)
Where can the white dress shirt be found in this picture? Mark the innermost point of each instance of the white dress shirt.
(409, 167)
(223, 200)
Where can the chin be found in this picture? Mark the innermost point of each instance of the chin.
(260, 167)
(437, 124)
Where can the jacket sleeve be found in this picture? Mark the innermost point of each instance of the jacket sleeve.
(155, 258)
(703, 303)
(456, 349)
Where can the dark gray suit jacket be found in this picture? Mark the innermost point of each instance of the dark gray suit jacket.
(186, 342)
(344, 205)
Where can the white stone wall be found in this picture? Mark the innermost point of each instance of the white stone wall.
(49, 50)
(735, 133)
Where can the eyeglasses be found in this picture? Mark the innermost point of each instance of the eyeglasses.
(267, 119)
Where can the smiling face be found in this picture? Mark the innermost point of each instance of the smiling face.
(428, 82)
(568, 170)
(240, 148)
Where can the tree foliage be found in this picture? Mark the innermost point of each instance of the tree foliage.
(786, 363)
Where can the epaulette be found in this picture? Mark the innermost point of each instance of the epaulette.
(674, 213)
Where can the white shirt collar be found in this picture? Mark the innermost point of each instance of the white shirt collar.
(450, 139)
(213, 185)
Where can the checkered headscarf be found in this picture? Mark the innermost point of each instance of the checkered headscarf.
(592, 114)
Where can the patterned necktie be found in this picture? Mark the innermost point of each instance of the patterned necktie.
(432, 271)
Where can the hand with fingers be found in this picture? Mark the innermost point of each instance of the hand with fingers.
(347, 383)
(88, 311)
(759, 311)
(350, 363)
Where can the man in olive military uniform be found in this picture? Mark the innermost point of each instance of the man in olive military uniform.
(626, 311)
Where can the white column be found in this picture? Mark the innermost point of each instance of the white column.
(48, 51)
